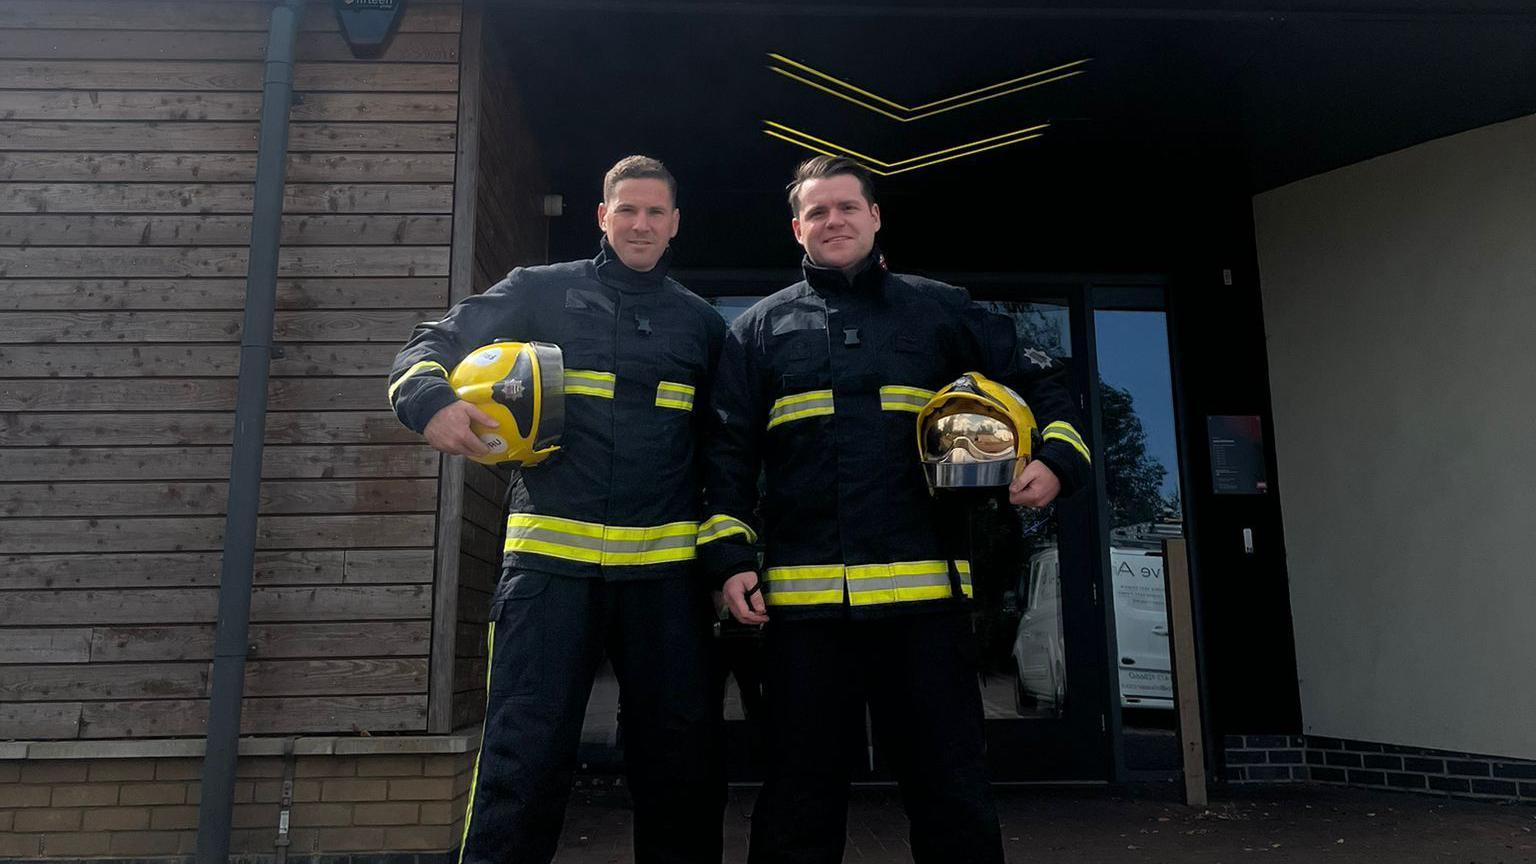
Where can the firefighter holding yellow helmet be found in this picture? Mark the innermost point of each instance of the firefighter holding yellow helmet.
(819, 386)
(603, 505)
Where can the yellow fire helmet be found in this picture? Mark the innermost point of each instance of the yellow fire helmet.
(522, 386)
(975, 432)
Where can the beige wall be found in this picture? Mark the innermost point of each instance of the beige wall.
(1400, 304)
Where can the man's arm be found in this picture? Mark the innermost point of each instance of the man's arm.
(1062, 464)
(731, 465)
(418, 381)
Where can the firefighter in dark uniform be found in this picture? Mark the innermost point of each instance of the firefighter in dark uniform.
(600, 541)
(820, 384)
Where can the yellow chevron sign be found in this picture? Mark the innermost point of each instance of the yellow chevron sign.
(912, 163)
(825, 83)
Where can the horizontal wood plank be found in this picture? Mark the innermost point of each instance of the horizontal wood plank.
(36, 229)
(79, 44)
(193, 533)
(103, 681)
(45, 645)
(40, 720)
(188, 106)
(201, 569)
(38, 167)
(278, 497)
(212, 463)
(380, 292)
(361, 359)
(330, 676)
(370, 325)
(273, 716)
(178, 15)
(181, 606)
(233, 198)
(183, 429)
(190, 262)
(232, 75)
(199, 136)
(268, 641)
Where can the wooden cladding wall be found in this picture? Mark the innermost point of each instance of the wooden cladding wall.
(511, 230)
(128, 132)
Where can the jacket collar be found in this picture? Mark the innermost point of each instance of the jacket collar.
(868, 279)
(611, 269)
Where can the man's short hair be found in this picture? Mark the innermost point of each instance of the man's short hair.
(638, 168)
(818, 167)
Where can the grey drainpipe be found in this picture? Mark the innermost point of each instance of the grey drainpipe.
(232, 635)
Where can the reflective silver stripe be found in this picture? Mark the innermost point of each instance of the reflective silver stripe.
(721, 526)
(593, 543)
(586, 382)
(423, 366)
(1063, 431)
(812, 403)
(670, 394)
(896, 397)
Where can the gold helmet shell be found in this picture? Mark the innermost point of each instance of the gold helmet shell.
(975, 432)
(522, 386)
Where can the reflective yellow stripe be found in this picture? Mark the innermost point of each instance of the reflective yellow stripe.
(418, 368)
(474, 780)
(897, 397)
(585, 382)
(812, 403)
(673, 395)
(866, 584)
(1061, 430)
(721, 526)
(592, 543)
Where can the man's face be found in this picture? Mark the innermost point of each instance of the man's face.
(835, 224)
(639, 220)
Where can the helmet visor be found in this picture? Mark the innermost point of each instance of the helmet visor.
(970, 436)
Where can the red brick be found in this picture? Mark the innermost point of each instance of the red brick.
(441, 766)
(7, 819)
(256, 816)
(92, 795)
(389, 766)
(421, 789)
(356, 790)
(21, 845)
(122, 769)
(10, 772)
(178, 769)
(303, 790)
(48, 820)
(117, 819)
(420, 838)
(389, 814)
(322, 815)
(325, 766)
(440, 812)
(54, 771)
(76, 844)
(351, 839)
(179, 818)
(16, 795)
(146, 843)
(261, 768)
(152, 793)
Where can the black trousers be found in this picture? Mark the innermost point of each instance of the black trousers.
(548, 637)
(925, 707)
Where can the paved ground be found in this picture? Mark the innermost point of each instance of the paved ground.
(1278, 825)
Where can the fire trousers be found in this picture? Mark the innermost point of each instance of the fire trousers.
(547, 638)
(916, 677)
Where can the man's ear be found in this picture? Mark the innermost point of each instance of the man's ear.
(602, 216)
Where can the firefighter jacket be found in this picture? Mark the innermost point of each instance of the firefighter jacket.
(820, 384)
(620, 499)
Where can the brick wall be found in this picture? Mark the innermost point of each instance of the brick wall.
(1287, 758)
(128, 808)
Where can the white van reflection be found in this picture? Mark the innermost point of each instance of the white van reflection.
(1141, 632)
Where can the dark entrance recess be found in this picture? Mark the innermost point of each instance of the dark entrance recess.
(1145, 162)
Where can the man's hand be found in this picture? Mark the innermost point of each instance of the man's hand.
(449, 432)
(1036, 486)
(744, 597)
